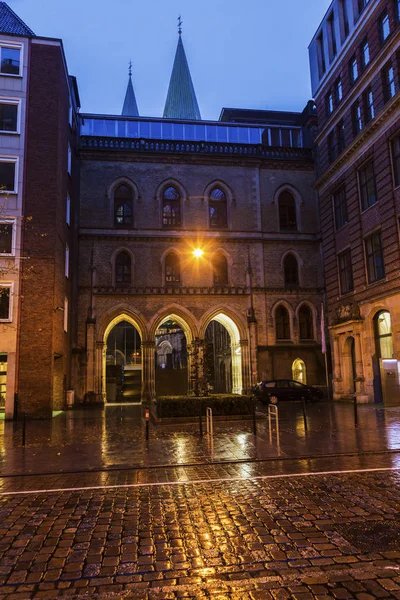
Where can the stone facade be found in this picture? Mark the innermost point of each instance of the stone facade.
(360, 222)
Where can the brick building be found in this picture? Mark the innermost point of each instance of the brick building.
(110, 300)
(355, 61)
(38, 226)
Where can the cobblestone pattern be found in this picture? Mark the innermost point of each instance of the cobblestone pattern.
(264, 539)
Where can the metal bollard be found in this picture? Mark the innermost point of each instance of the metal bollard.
(147, 414)
(210, 431)
(355, 411)
(303, 402)
(254, 415)
(200, 420)
(23, 429)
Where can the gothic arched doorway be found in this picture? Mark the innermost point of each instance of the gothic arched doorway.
(299, 371)
(123, 363)
(223, 359)
(171, 359)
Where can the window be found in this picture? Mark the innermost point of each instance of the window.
(172, 269)
(320, 54)
(171, 207)
(9, 116)
(397, 9)
(340, 208)
(291, 271)
(123, 269)
(66, 314)
(396, 159)
(369, 110)
(338, 90)
(10, 61)
(356, 117)
(282, 323)
(384, 26)
(329, 103)
(353, 66)
(343, 19)
(123, 206)
(366, 179)
(217, 207)
(6, 237)
(383, 334)
(7, 175)
(345, 272)
(306, 324)
(287, 212)
(66, 267)
(374, 255)
(331, 146)
(365, 56)
(361, 4)
(220, 268)
(340, 135)
(331, 37)
(5, 302)
(389, 86)
(68, 210)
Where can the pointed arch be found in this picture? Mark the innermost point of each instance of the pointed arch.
(113, 261)
(306, 322)
(121, 312)
(282, 314)
(179, 314)
(291, 270)
(219, 198)
(288, 201)
(170, 196)
(171, 267)
(220, 268)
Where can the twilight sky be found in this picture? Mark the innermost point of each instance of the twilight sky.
(242, 53)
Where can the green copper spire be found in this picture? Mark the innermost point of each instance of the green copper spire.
(181, 100)
(130, 108)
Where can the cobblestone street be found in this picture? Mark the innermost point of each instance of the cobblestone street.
(271, 526)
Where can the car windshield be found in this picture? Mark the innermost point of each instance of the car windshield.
(296, 384)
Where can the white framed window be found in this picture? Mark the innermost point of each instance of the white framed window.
(9, 115)
(7, 237)
(66, 304)
(70, 115)
(69, 159)
(6, 302)
(66, 260)
(68, 210)
(10, 59)
(8, 175)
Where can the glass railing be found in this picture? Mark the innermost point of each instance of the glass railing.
(215, 132)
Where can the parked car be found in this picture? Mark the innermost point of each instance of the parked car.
(285, 389)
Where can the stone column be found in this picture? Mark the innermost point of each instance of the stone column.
(91, 361)
(100, 379)
(253, 350)
(360, 388)
(149, 371)
(337, 370)
(196, 367)
(243, 384)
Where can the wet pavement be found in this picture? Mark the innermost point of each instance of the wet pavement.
(115, 438)
(305, 514)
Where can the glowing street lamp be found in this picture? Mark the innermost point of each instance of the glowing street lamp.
(198, 252)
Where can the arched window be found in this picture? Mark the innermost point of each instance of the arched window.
(123, 206)
(123, 269)
(287, 212)
(220, 268)
(383, 334)
(291, 270)
(282, 323)
(306, 323)
(217, 209)
(171, 207)
(172, 269)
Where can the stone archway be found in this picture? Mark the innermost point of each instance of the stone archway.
(299, 371)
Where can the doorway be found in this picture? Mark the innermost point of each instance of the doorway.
(123, 364)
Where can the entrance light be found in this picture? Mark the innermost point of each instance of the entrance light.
(198, 252)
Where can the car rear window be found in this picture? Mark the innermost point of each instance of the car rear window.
(270, 384)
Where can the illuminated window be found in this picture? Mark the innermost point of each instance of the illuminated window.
(171, 207)
(172, 269)
(383, 334)
(217, 207)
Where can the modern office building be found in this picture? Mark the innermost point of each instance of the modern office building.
(355, 61)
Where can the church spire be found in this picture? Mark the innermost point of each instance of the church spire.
(130, 108)
(181, 100)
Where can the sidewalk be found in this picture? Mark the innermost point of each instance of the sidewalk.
(84, 440)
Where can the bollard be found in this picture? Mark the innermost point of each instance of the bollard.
(303, 402)
(355, 411)
(200, 420)
(120, 414)
(254, 416)
(23, 429)
(147, 413)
